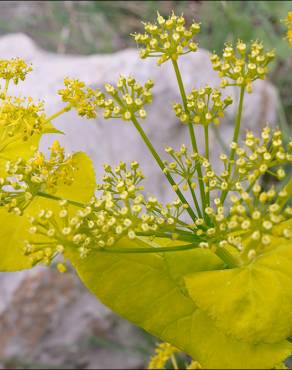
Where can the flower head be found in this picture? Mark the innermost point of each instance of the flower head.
(242, 64)
(14, 69)
(163, 353)
(25, 178)
(22, 116)
(126, 100)
(80, 97)
(204, 105)
(167, 38)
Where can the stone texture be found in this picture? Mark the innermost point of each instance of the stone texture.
(49, 318)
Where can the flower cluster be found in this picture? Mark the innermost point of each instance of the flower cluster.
(126, 100)
(288, 22)
(21, 116)
(249, 223)
(258, 156)
(119, 211)
(163, 353)
(26, 178)
(167, 39)
(183, 165)
(204, 106)
(14, 69)
(241, 64)
(80, 97)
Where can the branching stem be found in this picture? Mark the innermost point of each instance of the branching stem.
(191, 131)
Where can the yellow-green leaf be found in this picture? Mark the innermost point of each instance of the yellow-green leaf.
(146, 290)
(13, 231)
(252, 303)
(14, 148)
(83, 187)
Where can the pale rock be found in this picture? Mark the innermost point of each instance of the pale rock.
(49, 318)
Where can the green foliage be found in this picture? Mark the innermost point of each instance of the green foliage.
(126, 284)
(235, 298)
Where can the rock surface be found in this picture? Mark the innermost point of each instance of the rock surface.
(49, 318)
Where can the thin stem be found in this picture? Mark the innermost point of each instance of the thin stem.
(177, 248)
(191, 131)
(222, 253)
(195, 199)
(235, 140)
(174, 362)
(227, 257)
(54, 197)
(6, 86)
(206, 131)
(163, 168)
(57, 114)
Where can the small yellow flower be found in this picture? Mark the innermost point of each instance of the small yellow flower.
(126, 100)
(167, 38)
(80, 97)
(288, 22)
(204, 105)
(163, 353)
(22, 116)
(242, 64)
(14, 69)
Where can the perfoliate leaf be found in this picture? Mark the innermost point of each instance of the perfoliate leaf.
(14, 148)
(83, 187)
(13, 232)
(146, 290)
(252, 303)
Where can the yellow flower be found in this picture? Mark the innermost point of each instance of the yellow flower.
(167, 38)
(242, 64)
(204, 105)
(80, 97)
(126, 100)
(163, 353)
(14, 69)
(22, 116)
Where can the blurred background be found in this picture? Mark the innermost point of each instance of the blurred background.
(48, 320)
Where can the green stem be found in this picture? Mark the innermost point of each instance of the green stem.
(191, 131)
(235, 140)
(228, 258)
(195, 199)
(150, 250)
(206, 131)
(174, 362)
(57, 114)
(54, 197)
(163, 168)
(6, 86)
(222, 253)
